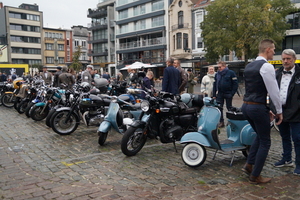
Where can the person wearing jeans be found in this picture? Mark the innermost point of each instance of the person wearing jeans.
(288, 79)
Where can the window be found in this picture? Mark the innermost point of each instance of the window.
(49, 46)
(140, 25)
(199, 42)
(123, 14)
(68, 42)
(15, 15)
(179, 40)
(138, 10)
(158, 21)
(25, 39)
(124, 28)
(61, 60)
(101, 34)
(158, 5)
(185, 41)
(49, 60)
(15, 27)
(33, 17)
(180, 19)
(76, 43)
(83, 43)
(294, 20)
(292, 42)
(174, 42)
(25, 50)
(60, 47)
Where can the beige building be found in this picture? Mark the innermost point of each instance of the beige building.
(22, 29)
(180, 29)
(54, 47)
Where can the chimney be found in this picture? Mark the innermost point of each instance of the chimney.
(1, 5)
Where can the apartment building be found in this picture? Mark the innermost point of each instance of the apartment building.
(21, 29)
(142, 33)
(102, 39)
(80, 37)
(54, 43)
(181, 31)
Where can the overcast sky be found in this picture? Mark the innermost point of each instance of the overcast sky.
(60, 13)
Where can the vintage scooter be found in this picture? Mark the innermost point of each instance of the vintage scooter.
(240, 135)
(121, 112)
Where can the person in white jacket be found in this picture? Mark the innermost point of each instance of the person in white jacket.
(207, 82)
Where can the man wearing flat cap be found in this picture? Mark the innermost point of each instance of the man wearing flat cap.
(56, 75)
(87, 74)
(46, 76)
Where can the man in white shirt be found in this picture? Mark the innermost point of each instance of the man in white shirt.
(288, 79)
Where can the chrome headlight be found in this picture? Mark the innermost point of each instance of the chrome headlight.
(145, 106)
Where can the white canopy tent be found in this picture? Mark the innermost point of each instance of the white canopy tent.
(137, 65)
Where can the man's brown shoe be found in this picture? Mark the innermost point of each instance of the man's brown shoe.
(247, 168)
(259, 179)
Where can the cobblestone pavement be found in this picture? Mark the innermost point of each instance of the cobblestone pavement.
(36, 163)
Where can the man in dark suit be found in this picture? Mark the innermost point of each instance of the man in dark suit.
(171, 78)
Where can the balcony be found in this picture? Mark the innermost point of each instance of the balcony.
(144, 60)
(103, 52)
(142, 43)
(94, 13)
(179, 26)
(97, 25)
(98, 41)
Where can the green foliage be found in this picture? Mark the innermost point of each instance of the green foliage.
(76, 64)
(239, 25)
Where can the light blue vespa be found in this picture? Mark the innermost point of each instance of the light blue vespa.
(121, 112)
(240, 135)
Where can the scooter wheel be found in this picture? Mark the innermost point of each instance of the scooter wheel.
(193, 154)
(102, 138)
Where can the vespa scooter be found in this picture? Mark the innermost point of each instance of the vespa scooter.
(240, 135)
(121, 112)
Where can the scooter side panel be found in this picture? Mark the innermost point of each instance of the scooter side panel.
(247, 135)
(104, 127)
(195, 137)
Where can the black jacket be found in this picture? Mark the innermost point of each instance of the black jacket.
(291, 111)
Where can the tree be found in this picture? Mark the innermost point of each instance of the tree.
(239, 25)
(76, 64)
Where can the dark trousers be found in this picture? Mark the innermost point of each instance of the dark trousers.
(290, 130)
(221, 97)
(259, 119)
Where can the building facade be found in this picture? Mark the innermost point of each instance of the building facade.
(142, 33)
(102, 40)
(54, 43)
(180, 31)
(22, 29)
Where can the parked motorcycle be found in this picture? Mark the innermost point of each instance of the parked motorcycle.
(29, 96)
(65, 120)
(5, 87)
(240, 135)
(9, 99)
(53, 97)
(165, 116)
(121, 112)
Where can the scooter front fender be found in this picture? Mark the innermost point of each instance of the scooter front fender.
(195, 137)
(104, 127)
(40, 104)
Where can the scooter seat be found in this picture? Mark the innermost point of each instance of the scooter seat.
(235, 115)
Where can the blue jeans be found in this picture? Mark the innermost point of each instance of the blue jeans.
(259, 119)
(221, 97)
(290, 130)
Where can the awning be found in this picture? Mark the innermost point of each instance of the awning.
(138, 65)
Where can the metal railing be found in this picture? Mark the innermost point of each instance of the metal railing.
(142, 43)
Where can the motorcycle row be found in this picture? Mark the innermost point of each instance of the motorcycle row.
(135, 113)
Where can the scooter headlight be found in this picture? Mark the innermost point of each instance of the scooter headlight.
(145, 106)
